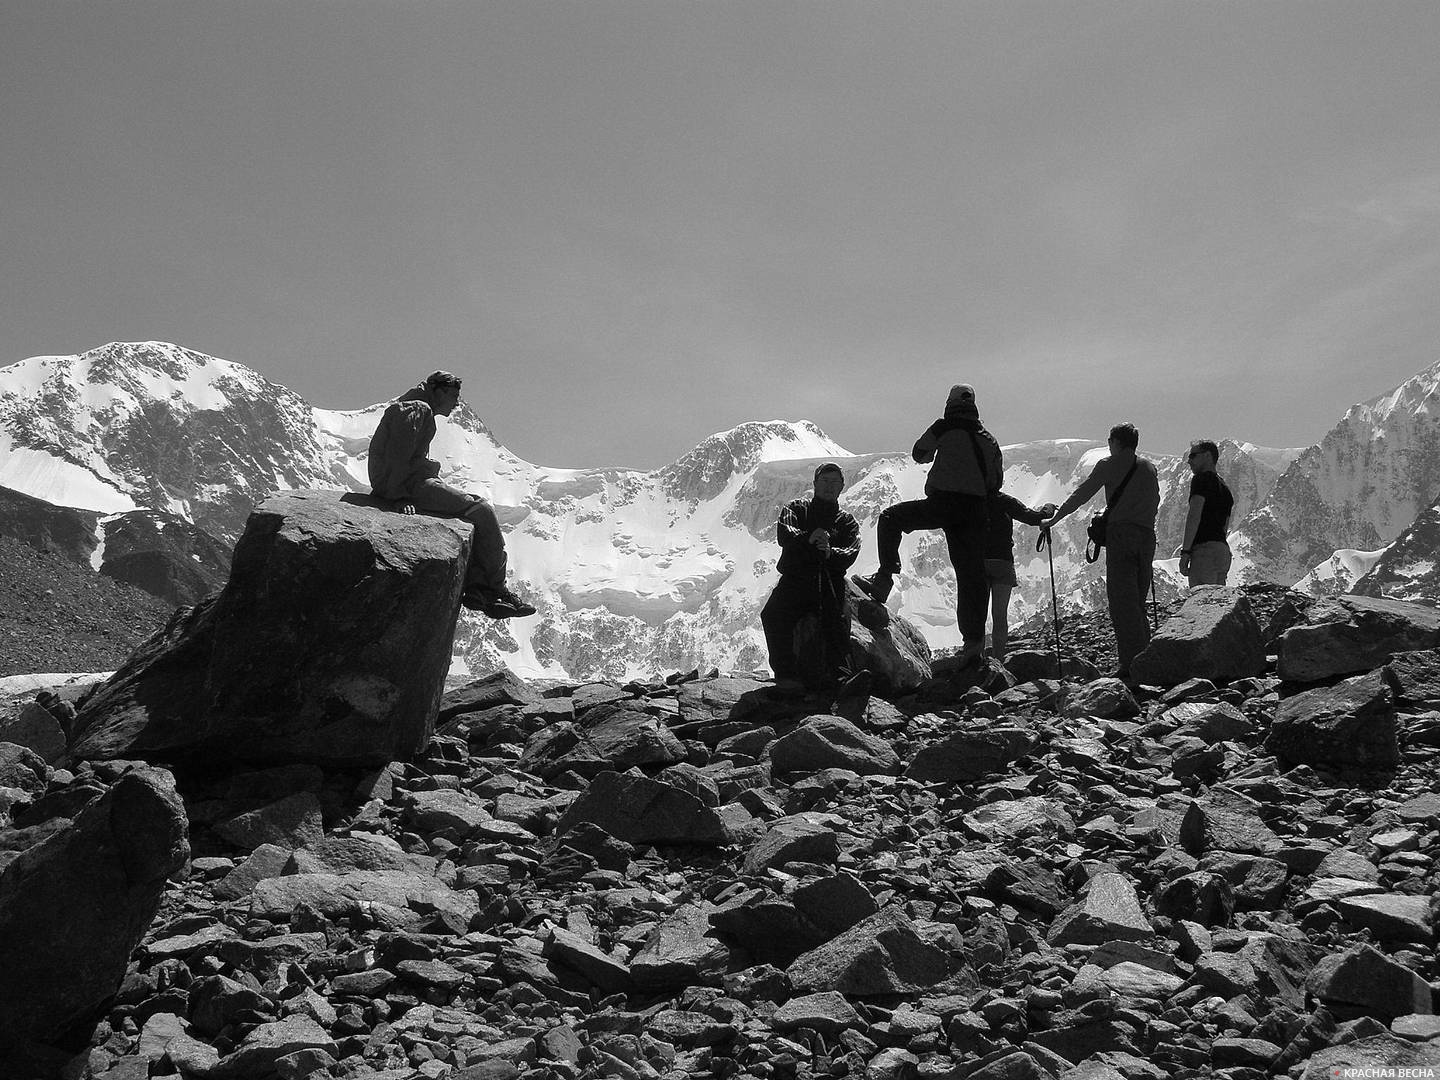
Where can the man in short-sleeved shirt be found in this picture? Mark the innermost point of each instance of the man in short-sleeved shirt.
(1130, 547)
(1205, 553)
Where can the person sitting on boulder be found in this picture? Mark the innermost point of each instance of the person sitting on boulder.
(401, 471)
(818, 543)
(1004, 511)
(967, 467)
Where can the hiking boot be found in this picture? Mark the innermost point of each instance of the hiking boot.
(500, 604)
(877, 586)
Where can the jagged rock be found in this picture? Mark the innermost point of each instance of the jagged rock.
(1109, 911)
(1213, 636)
(291, 823)
(74, 907)
(1202, 897)
(1210, 722)
(264, 1045)
(882, 955)
(1349, 634)
(640, 810)
(1104, 698)
(21, 768)
(265, 861)
(792, 839)
(1227, 821)
(36, 729)
(329, 644)
(1378, 1051)
(679, 952)
(832, 742)
(1363, 976)
(596, 965)
(1390, 916)
(1030, 665)
(890, 646)
(1349, 725)
(502, 687)
(826, 1012)
(339, 895)
(971, 755)
(1030, 816)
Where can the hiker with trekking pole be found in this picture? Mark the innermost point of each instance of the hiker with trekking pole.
(1126, 532)
(818, 542)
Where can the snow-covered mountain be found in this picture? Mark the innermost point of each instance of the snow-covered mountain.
(1352, 494)
(632, 572)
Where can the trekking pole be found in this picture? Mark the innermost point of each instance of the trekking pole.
(1045, 542)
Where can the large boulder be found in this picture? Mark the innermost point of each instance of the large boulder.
(1213, 636)
(1348, 726)
(74, 906)
(1350, 634)
(329, 644)
(887, 645)
(832, 742)
(641, 810)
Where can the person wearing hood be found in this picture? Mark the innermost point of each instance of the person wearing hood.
(966, 467)
(819, 542)
(402, 471)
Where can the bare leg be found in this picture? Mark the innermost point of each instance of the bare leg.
(999, 619)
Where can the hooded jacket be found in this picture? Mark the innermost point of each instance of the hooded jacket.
(399, 449)
(951, 443)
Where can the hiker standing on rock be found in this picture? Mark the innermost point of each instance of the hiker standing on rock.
(966, 468)
(1205, 553)
(402, 471)
(1132, 498)
(818, 543)
(1004, 510)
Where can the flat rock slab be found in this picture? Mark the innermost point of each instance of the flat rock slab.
(832, 742)
(640, 810)
(885, 954)
(1109, 911)
(827, 1012)
(1351, 633)
(334, 895)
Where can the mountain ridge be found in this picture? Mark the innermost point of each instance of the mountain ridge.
(634, 571)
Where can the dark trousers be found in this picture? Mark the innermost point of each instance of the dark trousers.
(1129, 569)
(963, 519)
(796, 596)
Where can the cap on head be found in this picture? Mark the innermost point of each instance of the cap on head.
(438, 380)
(961, 392)
(829, 467)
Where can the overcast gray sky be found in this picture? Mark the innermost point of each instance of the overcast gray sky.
(630, 224)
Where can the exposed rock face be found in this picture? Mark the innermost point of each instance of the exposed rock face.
(1349, 634)
(1361, 487)
(1214, 636)
(74, 906)
(328, 645)
(1407, 569)
(165, 555)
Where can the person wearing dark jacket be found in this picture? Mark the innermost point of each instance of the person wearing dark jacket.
(402, 471)
(1004, 511)
(819, 542)
(966, 467)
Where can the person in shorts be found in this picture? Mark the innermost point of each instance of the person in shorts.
(1004, 511)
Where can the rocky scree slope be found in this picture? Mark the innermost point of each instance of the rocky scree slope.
(703, 877)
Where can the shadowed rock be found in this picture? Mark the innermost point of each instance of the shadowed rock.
(329, 644)
(73, 907)
(1352, 633)
(1213, 636)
